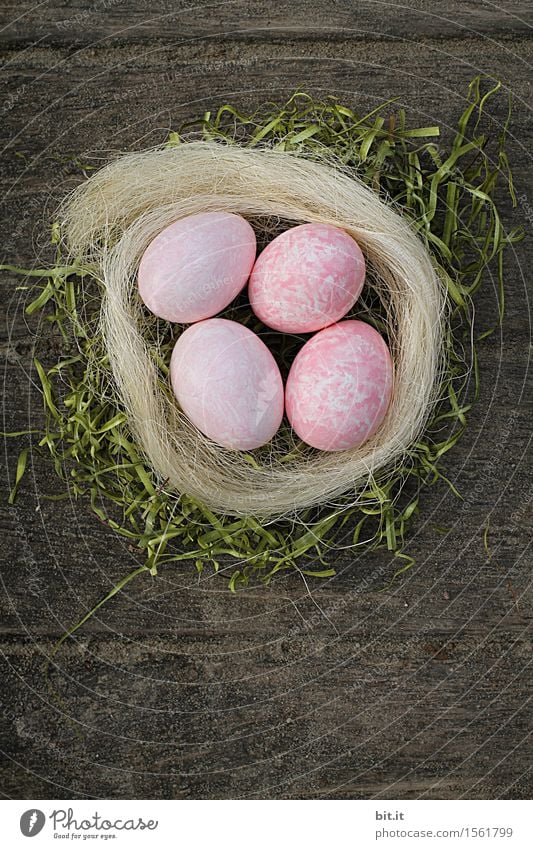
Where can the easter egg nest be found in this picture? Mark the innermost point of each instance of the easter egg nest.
(427, 222)
(110, 220)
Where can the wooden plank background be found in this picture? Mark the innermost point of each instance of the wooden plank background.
(178, 689)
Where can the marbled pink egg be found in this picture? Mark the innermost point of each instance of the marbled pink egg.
(228, 383)
(196, 266)
(307, 278)
(339, 386)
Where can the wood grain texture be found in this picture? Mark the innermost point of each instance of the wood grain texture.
(177, 689)
(259, 20)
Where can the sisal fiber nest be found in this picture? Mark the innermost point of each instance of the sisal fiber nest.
(108, 223)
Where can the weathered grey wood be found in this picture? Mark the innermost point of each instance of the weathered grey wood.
(177, 688)
(260, 20)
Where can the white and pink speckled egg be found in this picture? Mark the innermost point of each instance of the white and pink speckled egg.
(227, 383)
(339, 386)
(307, 278)
(196, 266)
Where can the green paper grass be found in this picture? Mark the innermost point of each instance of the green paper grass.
(448, 193)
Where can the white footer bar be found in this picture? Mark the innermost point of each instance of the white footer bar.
(325, 824)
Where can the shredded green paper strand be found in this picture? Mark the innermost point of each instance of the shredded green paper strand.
(449, 196)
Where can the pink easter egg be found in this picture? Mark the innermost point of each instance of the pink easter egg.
(196, 266)
(339, 386)
(228, 383)
(307, 278)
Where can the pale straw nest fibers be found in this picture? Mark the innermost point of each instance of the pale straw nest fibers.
(109, 221)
